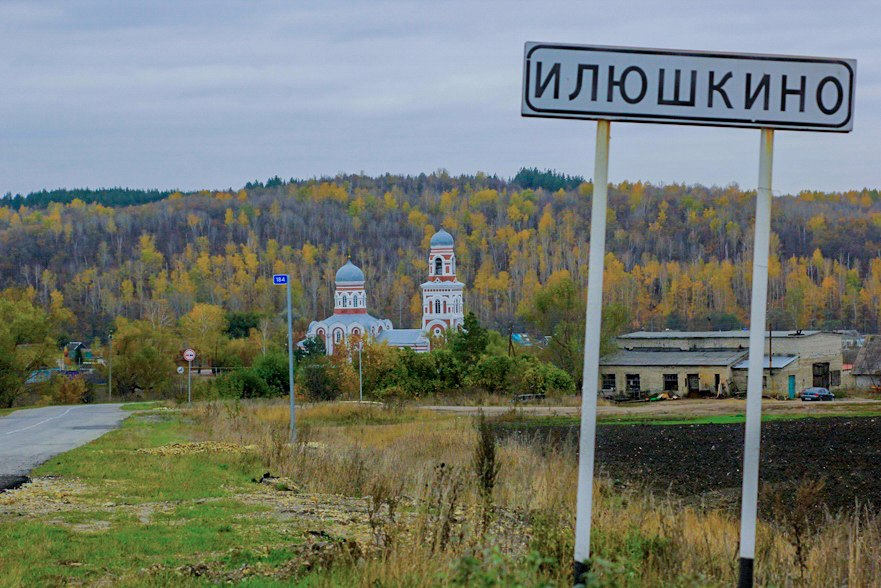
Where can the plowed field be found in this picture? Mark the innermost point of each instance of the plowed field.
(705, 461)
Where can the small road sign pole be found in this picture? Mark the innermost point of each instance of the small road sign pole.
(285, 280)
(189, 356)
(593, 318)
(110, 370)
(291, 364)
(758, 305)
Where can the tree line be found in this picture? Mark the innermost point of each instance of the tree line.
(678, 255)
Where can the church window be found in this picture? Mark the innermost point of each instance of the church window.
(345, 301)
(438, 266)
(337, 336)
(437, 307)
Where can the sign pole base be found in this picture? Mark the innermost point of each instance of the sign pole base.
(746, 573)
(580, 573)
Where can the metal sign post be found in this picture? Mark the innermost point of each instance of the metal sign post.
(758, 306)
(592, 322)
(284, 280)
(189, 355)
(766, 92)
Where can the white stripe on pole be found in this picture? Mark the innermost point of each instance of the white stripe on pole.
(593, 318)
(752, 440)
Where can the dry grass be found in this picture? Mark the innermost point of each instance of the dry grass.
(416, 471)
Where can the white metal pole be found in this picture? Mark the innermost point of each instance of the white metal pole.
(593, 318)
(761, 246)
(360, 378)
(110, 370)
(190, 382)
(291, 364)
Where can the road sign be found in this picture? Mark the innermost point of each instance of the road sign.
(189, 355)
(682, 87)
(688, 87)
(283, 280)
(180, 369)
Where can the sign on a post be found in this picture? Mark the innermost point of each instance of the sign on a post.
(189, 355)
(284, 280)
(688, 87)
(683, 87)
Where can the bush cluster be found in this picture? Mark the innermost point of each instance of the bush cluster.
(466, 362)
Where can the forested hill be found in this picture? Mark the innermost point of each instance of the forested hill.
(104, 196)
(678, 256)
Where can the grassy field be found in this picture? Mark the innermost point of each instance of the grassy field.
(373, 496)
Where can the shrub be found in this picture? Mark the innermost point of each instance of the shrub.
(492, 374)
(243, 383)
(544, 378)
(273, 369)
(72, 391)
(319, 379)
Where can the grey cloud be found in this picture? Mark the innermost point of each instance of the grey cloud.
(213, 94)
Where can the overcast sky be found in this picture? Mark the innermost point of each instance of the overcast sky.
(212, 94)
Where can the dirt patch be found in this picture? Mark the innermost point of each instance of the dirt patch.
(42, 496)
(706, 461)
(200, 447)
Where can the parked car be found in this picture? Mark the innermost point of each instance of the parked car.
(817, 394)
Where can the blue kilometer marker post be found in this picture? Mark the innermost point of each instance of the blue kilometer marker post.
(284, 280)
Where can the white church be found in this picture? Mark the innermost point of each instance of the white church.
(442, 307)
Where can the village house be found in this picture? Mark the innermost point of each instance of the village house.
(694, 363)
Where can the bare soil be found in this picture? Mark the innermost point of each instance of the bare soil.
(705, 461)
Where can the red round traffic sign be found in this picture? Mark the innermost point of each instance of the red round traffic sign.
(189, 355)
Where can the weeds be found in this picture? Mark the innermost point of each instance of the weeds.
(486, 466)
(448, 503)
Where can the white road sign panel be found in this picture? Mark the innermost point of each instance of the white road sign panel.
(688, 87)
(189, 355)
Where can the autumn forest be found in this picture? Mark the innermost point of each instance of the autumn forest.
(678, 255)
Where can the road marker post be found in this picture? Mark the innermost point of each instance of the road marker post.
(635, 84)
(284, 280)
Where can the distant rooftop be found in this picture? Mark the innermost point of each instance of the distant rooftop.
(673, 358)
(780, 362)
(398, 337)
(742, 334)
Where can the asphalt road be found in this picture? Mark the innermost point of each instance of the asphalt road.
(31, 436)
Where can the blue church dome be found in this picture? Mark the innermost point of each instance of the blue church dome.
(442, 239)
(349, 273)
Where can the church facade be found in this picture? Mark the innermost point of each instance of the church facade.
(442, 305)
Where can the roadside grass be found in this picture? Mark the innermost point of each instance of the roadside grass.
(434, 525)
(380, 497)
(149, 405)
(139, 511)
